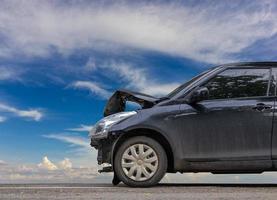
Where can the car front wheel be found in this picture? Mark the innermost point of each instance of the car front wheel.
(140, 162)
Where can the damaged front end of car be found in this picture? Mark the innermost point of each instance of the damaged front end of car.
(117, 102)
(102, 138)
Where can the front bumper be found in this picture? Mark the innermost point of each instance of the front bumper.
(104, 147)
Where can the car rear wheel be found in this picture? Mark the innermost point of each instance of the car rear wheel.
(140, 162)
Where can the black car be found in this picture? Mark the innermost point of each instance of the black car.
(221, 121)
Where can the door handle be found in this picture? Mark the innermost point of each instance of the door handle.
(262, 107)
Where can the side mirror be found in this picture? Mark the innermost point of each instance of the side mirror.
(199, 94)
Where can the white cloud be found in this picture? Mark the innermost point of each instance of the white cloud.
(47, 164)
(49, 172)
(136, 78)
(2, 119)
(93, 87)
(90, 65)
(36, 115)
(73, 140)
(10, 72)
(31, 113)
(140, 79)
(82, 128)
(2, 162)
(201, 32)
(65, 164)
(6, 73)
(157, 89)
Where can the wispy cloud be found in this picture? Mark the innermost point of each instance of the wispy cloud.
(82, 128)
(94, 88)
(133, 77)
(2, 119)
(9, 73)
(200, 32)
(70, 139)
(79, 147)
(139, 78)
(6, 73)
(31, 113)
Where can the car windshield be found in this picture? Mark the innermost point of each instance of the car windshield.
(181, 87)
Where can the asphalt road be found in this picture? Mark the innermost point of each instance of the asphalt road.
(121, 192)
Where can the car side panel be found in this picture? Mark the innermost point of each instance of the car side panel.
(228, 130)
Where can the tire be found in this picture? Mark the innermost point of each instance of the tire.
(142, 174)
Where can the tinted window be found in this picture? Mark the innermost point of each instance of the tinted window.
(181, 87)
(234, 83)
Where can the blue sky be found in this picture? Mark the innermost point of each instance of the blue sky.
(61, 60)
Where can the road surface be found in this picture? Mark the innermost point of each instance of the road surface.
(121, 192)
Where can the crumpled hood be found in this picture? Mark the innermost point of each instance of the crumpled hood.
(117, 101)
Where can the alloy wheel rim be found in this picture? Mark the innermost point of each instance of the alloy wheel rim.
(139, 162)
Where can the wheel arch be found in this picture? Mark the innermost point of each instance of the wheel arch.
(159, 137)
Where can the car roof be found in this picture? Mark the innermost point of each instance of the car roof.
(249, 64)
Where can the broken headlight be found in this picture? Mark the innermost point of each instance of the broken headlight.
(102, 127)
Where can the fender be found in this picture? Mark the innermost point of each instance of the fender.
(137, 130)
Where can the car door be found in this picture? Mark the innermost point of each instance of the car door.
(235, 123)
